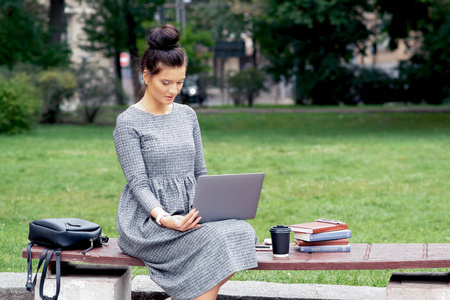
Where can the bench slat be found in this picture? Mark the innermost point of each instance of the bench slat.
(108, 254)
(361, 257)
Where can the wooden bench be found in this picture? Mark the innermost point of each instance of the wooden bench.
(361, 257)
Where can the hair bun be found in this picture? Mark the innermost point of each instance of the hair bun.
(163, 38)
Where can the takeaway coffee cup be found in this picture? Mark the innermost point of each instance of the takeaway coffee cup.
(280, 240)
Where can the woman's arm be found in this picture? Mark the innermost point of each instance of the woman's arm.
(128, 148)
(200, 165)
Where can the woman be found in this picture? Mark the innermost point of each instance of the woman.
(159, 147)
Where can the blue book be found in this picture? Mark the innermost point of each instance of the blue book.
(323, 236)
(337, 248)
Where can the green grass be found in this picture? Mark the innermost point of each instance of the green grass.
(386, 175)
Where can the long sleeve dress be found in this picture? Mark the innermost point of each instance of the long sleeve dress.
(162, 157)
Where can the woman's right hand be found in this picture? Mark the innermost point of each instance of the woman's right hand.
(182, 223)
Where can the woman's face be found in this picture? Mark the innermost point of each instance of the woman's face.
(164, 86)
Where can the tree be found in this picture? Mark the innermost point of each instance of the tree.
(198, 49)
(57, 20)
(218, 17)
(425, 29)
(197, 44)
(25, 36)
(227, 20)
(400, 22)
(115, 26)
(55, 85)
(311, 41)
(246, 84)
(96, 85)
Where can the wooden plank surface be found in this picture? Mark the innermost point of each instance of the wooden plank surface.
(361, 257)
(108, 254)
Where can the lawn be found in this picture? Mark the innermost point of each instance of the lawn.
(385, 174)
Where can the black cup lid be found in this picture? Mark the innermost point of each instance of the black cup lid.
(280, 229)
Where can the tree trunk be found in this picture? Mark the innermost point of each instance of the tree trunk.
(250, 99)
(57, 21)
(135, 68)
(298, 93)
(117, 64)
(132, 48)
(117, 90)
(254, 53)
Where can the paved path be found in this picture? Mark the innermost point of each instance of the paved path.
(12, 287)
(340, 110)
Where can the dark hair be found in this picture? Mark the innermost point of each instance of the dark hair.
(163, 50)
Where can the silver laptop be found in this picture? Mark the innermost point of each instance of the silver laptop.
(233, 196)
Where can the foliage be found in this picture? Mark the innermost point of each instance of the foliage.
(25, 37)
(230, 20)
(427, 71)
(226, 20)
(19, 104)
(313, 41)
(246, 84)
(96, 86)
(310, 40)
(56, 85)
(399, 22)
(115, 27)
(372, 86)
(197, 44)
(106, 29)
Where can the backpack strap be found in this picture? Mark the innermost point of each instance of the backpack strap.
(32, 283)
(58, 274)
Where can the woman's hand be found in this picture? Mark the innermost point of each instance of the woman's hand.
(182, 223)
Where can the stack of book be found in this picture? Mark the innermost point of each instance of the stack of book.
(322, 235)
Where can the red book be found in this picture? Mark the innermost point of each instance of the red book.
(320, 225)
(322, 243)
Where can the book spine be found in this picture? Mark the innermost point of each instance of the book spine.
(322, 243)
(332, 235)
(343, 248)
(318, 229)
(301, 230)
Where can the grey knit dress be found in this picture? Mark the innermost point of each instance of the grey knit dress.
(162, 157)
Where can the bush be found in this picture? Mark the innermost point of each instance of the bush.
(96, 86)
(19, 105)
(56, 85)
(246, 85)
(372, 86)
(327, 87)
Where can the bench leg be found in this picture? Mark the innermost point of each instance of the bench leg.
(90, 282)
(418, 286)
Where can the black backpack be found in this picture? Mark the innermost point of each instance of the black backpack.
(57, 235)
